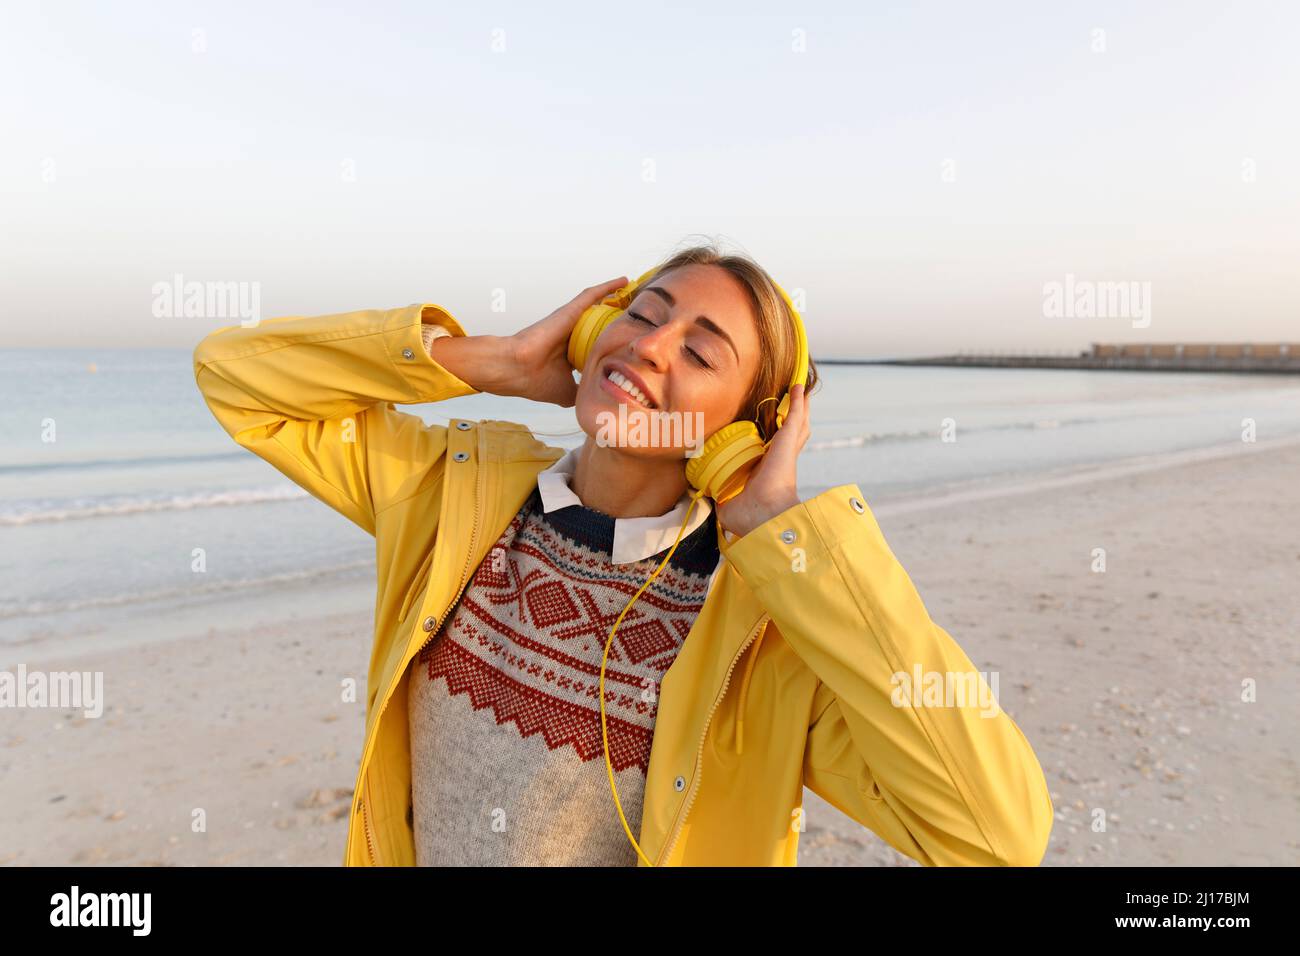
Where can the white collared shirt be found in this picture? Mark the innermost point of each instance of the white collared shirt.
(634, 538)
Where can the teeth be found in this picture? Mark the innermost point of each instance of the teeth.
(623, 382)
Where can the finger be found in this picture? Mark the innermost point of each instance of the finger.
(596, 292)
(780, 465)
(567, 315)
(799, 416)
(785, 443)
(589, 297)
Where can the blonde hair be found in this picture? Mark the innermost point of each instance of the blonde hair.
(773, 320)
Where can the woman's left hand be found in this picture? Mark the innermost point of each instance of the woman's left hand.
(772, 486)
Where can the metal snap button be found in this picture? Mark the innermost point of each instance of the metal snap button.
(430, 623)
(858, 506)
(788, 536)
(680, 784)
(464, 426)
(408, 354)
(460, 455)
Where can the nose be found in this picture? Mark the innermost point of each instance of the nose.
(652, 346)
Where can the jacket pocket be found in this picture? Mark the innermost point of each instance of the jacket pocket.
(417, 588)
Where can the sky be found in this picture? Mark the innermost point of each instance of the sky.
(918, 176)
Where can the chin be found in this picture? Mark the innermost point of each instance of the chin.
(599, 417)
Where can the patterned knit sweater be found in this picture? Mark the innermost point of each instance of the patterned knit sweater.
(507, 763)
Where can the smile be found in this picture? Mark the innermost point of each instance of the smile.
(620, 385)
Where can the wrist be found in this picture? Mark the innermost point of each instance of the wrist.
(476, 360)
(428, 332)
(761, 512)
(778, 505)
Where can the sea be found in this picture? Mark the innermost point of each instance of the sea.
(128, 515)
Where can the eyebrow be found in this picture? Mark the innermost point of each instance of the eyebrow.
(701, 320)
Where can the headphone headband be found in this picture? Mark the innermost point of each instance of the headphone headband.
(801, 357)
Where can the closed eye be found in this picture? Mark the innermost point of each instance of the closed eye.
(694, 354)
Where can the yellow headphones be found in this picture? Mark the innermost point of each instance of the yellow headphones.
(718, 472)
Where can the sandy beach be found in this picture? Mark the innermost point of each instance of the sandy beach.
(1128, 684)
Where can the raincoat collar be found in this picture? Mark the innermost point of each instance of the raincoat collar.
(634, 538)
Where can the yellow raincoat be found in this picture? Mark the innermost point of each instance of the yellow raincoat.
(786, 680)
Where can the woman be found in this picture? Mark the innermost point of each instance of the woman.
(503, 563)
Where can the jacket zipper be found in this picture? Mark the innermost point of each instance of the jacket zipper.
(365, 821)
(464, 582)
(699, 755)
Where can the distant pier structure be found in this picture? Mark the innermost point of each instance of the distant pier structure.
(1274, 357)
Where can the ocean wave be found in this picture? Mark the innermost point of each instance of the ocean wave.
(35, 467)
(13, 609)
(74, 509)
(872, 438)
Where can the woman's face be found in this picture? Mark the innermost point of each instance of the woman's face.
(689, 344)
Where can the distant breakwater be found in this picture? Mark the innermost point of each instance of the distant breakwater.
(1270, 358)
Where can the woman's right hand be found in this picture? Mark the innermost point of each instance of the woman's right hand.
(533, 363)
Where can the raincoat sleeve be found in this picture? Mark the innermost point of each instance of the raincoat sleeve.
(314, 397)
(946, 781)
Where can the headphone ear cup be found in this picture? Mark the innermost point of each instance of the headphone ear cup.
(588, 328)
(725, 461)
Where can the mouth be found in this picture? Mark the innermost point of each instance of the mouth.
(624, 386)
